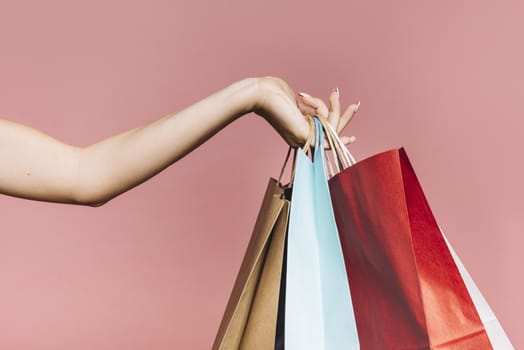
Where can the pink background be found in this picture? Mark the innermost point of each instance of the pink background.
(153, 268)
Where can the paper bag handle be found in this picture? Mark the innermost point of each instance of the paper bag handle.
(306, 148)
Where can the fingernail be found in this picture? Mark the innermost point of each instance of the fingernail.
(337, 91)
(358, 106)
(303, 94)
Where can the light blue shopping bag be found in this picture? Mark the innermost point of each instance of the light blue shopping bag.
(318, 307)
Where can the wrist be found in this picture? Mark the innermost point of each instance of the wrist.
(246, 93)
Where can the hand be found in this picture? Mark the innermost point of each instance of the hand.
(313, 105)
(276, 102)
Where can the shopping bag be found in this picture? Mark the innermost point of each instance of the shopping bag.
(249, 320)
(318, 307)
(250, 317)
(496, 334)
(407, 290)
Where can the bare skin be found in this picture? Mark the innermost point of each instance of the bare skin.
(34, 165)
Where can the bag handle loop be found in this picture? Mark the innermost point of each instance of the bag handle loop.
(306, 148)
(341, 155)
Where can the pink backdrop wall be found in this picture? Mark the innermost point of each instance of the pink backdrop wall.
(153, 268)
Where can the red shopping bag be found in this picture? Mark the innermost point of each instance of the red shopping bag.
(406, 289)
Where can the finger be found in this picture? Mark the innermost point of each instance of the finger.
(316, 103)
(305, 109)
(347, 116)
(334, 108)
(348, 139)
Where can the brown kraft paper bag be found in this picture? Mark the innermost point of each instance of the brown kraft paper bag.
(249, 321)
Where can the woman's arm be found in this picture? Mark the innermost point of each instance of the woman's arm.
(36, 166)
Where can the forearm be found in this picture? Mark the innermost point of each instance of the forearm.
(118, 163)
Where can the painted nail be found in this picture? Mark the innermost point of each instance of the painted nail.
(303, 94)
(358, 106)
